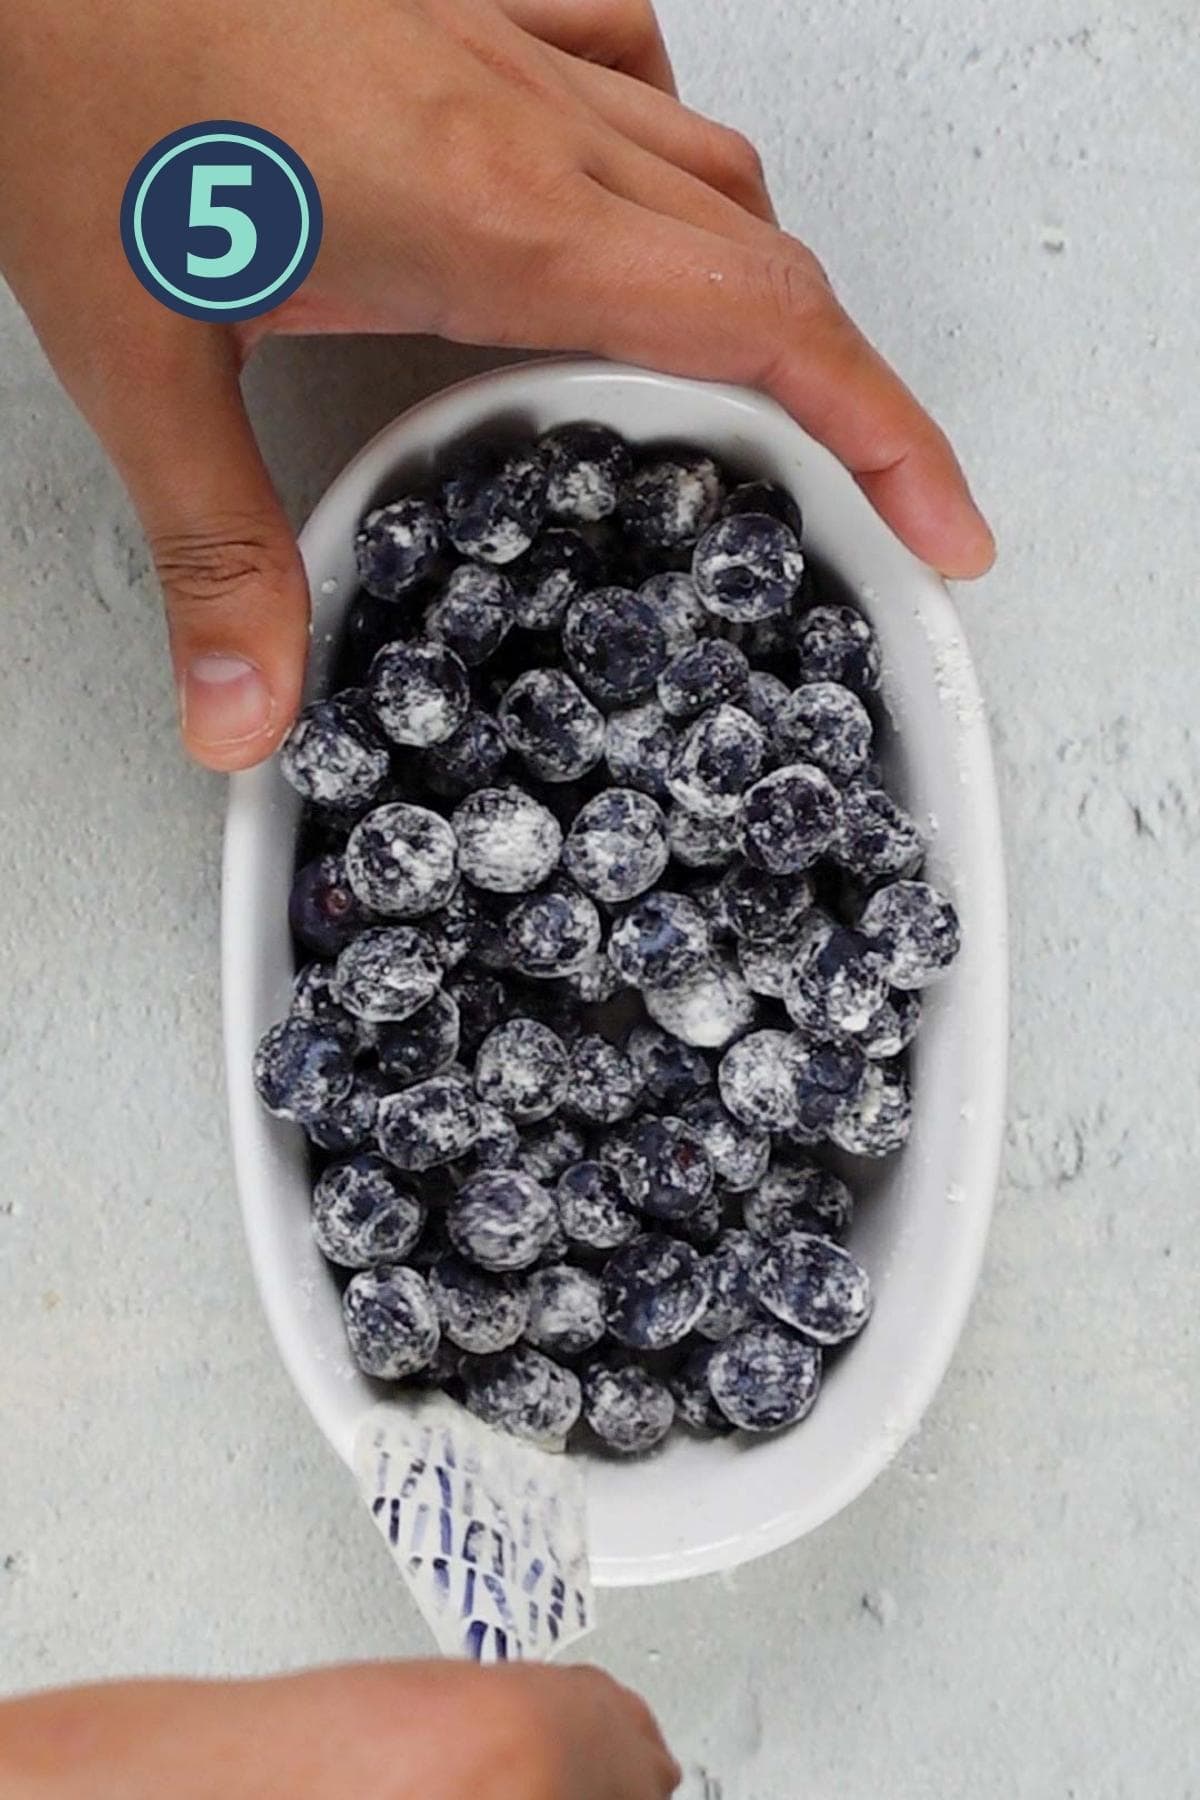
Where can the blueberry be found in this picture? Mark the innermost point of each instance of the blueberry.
(402, 861)
(709, 674)
(301, 1069)
(764, 497)
(917, 930)
(390, 1322)
(716, 761)
(549, 1149)
(875, 837)
(594, 1206)
(387, 973)
(481, 1001)
(670, 1071)
(709, 1009)
(426, 1042)
(421, 693)
(677, 607)
(798, 1195)
(614, 645)
(363, 1214)
(552, 725)
(893, 1028)
(828, 726)
(702, 1228)
(473, 614)
(507, 842)
(433, 1122)
(670, 499)
(525, 1393)
(617, 846)
(603, 1082)
(764, 1377)
(457, 929)
(348, 1123)
(789, 819)
(701, 842)
(732, 1302)
(369, 624)
(637, 748)
(477, 1311)
(594, 981)
(876, 1118)
(835, 643)
(739, 1153)
(747, 566)
(332, 756)
(566, 1310)
(662, 940)
(495, 501)
(322, 910)
(498, 1145)
(765, 697)
(831, 1079)
(313, 999)
(586, 467)
(501, 1219)
(763, 907)
(655, 1288)
(472, 758)
(398, 546)
(552, 932)
(694, 1404)
(629, 1409)
(815, 1287)
(666, 1168)
(521, 1067)
(559, 569)
(837, 982)
(759, 1080)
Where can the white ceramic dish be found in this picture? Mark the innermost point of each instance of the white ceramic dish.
(700, 1505)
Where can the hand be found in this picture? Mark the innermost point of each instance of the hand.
(401, 1731)
(515, 173)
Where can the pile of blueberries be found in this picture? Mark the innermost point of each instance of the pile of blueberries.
(609, 930)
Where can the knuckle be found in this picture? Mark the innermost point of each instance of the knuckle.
(740, 160)
(208, 565)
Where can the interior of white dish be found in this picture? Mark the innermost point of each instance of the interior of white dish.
(699, 1504)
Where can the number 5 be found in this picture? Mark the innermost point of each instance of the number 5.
(243, 237)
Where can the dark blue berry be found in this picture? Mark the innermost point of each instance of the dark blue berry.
(560, 567)
(425, 1043)
(709, 674)
(501, 1219)
(747, 566)
(594, 1206)
(837, 982)
(552, 932)
(387, 973)
(300, 1070)
(322, 909)
(332, 756)
(349, 1123)
(495, 501)
(521, 1067)
(667, 1168)
(828, 726)
(875, 837)
(702, 841)
(671, 1072)
(421, 693)
(629, 1409)
(655, 1289)
(363, 1214)
(916, 929)
(586, 467)
(759, 1080)
(603, 1084)
(637, 748)
(480, 1000)
(369, 625)
(789, 819)
(765, 697)
(836, 643)
(832, 1082)
(473, 758)
(732, 1301)
(739, 1153)
(677, 608)
(390, 1322)
(313, 999)
(433, 1122)
(715, 761)
(760, 906)
(398, 546)
(402, 861)
(456, 929)
(893, 1028)
(525, 1393)
(694, 1404)
(876, 1117)
(798, 1195)
(663, 939)
(814, 1286)
(477, 1311)
(552, 725)
(764, 497)
(670, 499)
(566, 1310)
(614, 645)
(549, 1149)
(764, 1377)
(617, 846)
(508, 842)
(473, 614)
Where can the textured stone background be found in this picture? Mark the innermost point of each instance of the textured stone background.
(1007, 197)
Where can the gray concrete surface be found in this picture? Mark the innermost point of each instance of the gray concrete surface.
(1007, 197)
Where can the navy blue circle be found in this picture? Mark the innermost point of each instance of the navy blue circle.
(274, 206)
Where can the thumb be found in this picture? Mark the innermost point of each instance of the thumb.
(233, 583)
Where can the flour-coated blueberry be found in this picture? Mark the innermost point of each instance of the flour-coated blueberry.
(747, 566)
(828, 726)
(323, 910)
(670, 499)
(501, 1219)
(759, 1080)
(508, 842)
(566, 1310)
(548, 1149)
(666, 1168)
(732, 1301)
(614, 645)
(739, 1152)
(814, 1286)
(524, 1392)
(433, 1122)
(473, 614)
(617, 846)
(595, 1207)
(876, 1118)
(678, 610)
(764, 497)
(391, 1324)
(363, 1214)
(427, 1041)
(875, 837)
(708, 674)
(420, 693)
(715, 761)
(837, 982)
(797, 1194)
(558, 568)
(709, 1009)
(836, 643)
(629, 1409)
(917, 931)
(789, 819)
(333, 757)
(478, 1311)
(347, 1124)
(300, 1069)
(603, 1083)
(637, 747)
(702, 841)
(765, 1377)
(387, 973)
(661, 940)
(402, 861)
(521, 1067)
(655, 1288)
(398, 546)
(893, 1028)
(552, 725)
(495, 501)
(586, 467)
(552, 932)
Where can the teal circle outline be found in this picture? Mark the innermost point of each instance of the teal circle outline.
(220, 137)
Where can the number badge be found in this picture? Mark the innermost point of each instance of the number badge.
(221, 221)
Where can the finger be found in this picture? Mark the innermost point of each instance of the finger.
(675, 296)
(715, 154)
(233, 583)
(619, 34)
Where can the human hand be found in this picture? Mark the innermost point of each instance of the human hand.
(508, 172)
(398, 1731)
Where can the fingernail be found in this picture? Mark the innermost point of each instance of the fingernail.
(224, 700)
